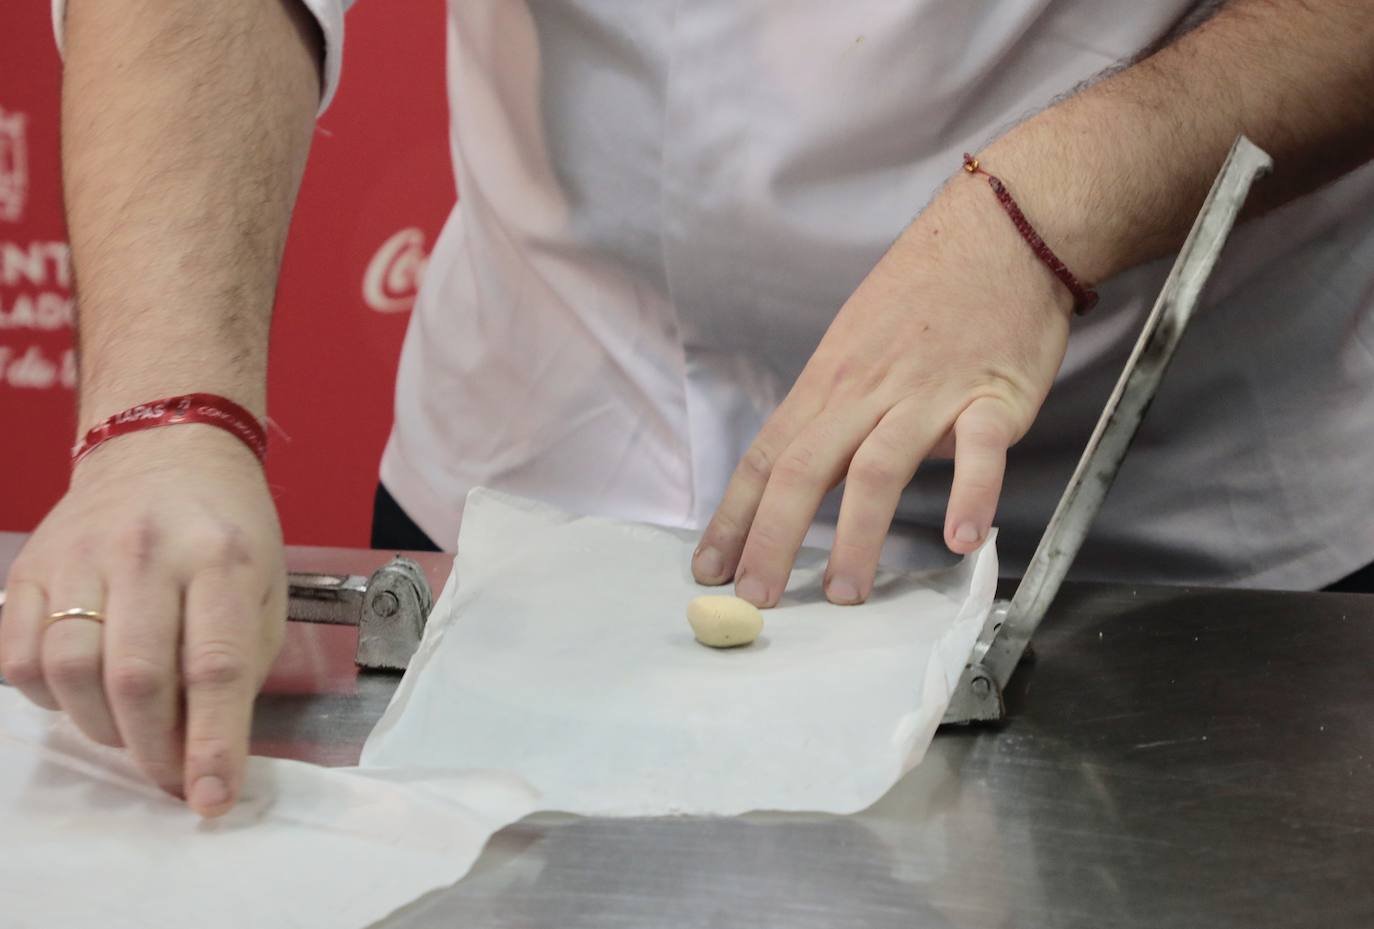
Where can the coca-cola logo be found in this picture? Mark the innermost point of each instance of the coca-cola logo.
(14, 166)
(392, 278)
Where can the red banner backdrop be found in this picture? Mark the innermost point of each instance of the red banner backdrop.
(375, 194)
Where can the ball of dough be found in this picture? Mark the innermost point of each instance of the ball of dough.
(724, 622)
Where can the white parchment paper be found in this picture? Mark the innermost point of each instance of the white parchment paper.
(86, 841)
(562, 654)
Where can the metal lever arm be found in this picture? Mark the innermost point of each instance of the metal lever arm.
(1010, 625)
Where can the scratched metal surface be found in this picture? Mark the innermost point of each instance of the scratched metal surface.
(1176, 758)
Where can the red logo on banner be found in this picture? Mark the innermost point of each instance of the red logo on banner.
(392, 278)
(14, 166)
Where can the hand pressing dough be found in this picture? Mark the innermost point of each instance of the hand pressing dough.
(724, 622)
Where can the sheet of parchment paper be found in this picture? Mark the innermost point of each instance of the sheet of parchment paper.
(87, 841)
(562, 653)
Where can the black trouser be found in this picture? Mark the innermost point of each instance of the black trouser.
(1361, 582)
(393, 529)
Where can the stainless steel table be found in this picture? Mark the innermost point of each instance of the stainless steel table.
(1175, 758)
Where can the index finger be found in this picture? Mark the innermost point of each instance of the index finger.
(143, 619)
(722, 542)
(221, 678)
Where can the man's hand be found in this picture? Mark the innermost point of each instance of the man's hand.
(170, 534)
(185, 129)
(959, 327)
(951, 342)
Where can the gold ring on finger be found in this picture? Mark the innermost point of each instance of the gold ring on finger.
(76, 613)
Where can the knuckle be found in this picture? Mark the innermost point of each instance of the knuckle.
(756, 463)
(795, 467)
(983, 435)
(984, 485)
(766, 537)
(21, 670)
(73, 668)
(924, 381)
(215, 666)
(208, 753)
(24, 572)
(725, 531)
(876, 471)
(884, 443)
(724, 535)
(858, 551)
(850, 378)
(839, 375)
(138, 544)
(84, 550)
(136, 680)
(225, 546)
(999, 399)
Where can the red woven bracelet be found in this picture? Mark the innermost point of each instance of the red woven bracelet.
(210, 409)
(1084, 297)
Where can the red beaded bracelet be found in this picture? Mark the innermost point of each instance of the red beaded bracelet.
(1084, 297)
(210, 409)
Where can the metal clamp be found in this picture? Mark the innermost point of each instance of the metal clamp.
(1010, 624)
(389, 608)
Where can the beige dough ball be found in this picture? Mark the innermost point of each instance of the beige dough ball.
(724, 622)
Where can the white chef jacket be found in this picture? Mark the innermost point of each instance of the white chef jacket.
(663, 204)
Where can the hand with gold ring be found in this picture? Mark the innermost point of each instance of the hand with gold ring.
(149, 604)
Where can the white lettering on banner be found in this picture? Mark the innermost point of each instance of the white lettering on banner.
(39, 264)
(33, 370)
(392, 278)
(45, 311)
(14, 166)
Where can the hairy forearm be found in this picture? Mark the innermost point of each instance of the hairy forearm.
(185, 129)
(1115, 173)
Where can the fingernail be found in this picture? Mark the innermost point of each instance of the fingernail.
(842, 590)
(710, 564)
(752, 589)
(208, 793)
(967, 532)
